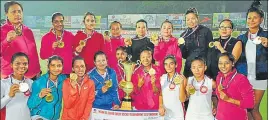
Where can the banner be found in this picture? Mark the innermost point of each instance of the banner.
(218, 17)
(100, 114)
(67, 21)
(30, 21)
(127, 20)
(40, 21)
(206, 20)
(98, 21)
(151, 20)
(47, 22)
(160, 18)
(177, 20)
(239, 19)
(77, 22)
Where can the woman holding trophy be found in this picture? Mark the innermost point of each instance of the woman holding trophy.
(173, 91)
(106, 84)
(88, 41)
(78, 93)
(15, 90)
(121, 55)
(45, 101)
(146, 82)
(58, 42)
(16, 37)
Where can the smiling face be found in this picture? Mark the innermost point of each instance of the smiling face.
(225, 29)
(191, 20)
(146, 58)
(55, 67)
(254, 20)
(121, 55)
(20, 65)
(15, 14)
(79, 68)
(89, 22)
(100, 62)
(225, 65)
(58, 23)
(166, 29)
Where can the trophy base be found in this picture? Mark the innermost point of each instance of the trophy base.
(126, 104)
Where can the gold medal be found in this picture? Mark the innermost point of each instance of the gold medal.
(82, 43)
(73, 76)
(108, 83)
(60, 44)
(211, 44)
(180, 41)
(177, 80)
(49, 97)
(192, 91)
(18, 32)
(106, 33)
(154, 37)
(220, 87)
(122, 83)
(152, 71)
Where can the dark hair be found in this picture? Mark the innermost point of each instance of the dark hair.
(192, 10)
(54, 15)
(231, 22)
(75, 59)
(229, 55)
(88, 13)
(114, 22)
(141, 20)
(19, 54)
(198, 58)
(99, 53)
(122, 48)
(55, 57)
(170, 57)
(255, 7)
(145, 49)
(167, 21)
(10, 3)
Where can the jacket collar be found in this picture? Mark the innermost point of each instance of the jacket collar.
(229, 75)
(259, 32)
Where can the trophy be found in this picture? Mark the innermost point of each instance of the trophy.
(127, 85)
